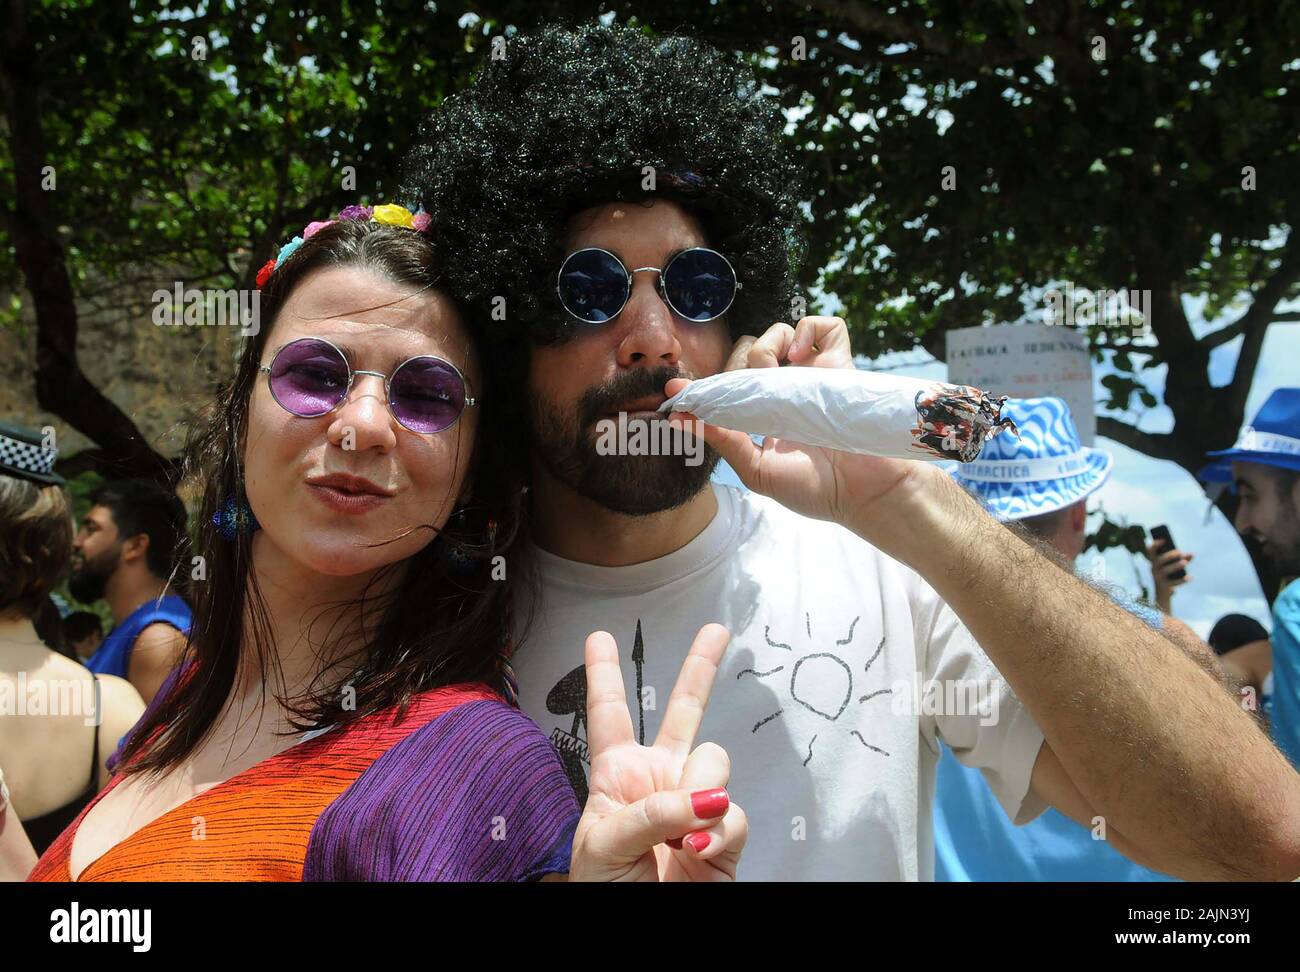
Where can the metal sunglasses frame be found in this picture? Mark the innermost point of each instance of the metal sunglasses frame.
(470, 400)
(663, 290)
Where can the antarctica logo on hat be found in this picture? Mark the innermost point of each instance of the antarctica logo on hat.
(24, 454)
(1273, 438)
(1044, 470)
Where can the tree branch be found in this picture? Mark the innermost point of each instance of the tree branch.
(61, 387)
(1238, 327)
(1156, 445)
(1256, 320)
(891, 29)
(105, 463)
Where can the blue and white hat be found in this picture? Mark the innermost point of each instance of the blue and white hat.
(1274, 437)
(1044, 470)
(24, 454)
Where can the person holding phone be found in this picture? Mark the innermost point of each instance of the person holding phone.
(1168, 566)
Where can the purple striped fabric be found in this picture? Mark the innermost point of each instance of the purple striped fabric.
(478, 794)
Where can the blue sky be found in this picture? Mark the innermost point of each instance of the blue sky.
(1149, 491)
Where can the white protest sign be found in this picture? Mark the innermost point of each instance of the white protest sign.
(1027, 361)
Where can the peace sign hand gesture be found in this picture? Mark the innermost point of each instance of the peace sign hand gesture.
(660, 812)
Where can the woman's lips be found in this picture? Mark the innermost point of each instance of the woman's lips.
(344, 502)
(348, 494)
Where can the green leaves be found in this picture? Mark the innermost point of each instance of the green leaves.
(167, 163)
(1122, 388)
(1118, 171)
(1111, 534)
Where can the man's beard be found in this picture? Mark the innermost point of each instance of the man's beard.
(1283, 548)
(89, 581)
(633, 485)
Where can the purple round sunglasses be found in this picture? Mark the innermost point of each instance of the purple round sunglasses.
(311, 376)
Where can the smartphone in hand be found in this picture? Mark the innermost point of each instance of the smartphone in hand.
(1161, 532)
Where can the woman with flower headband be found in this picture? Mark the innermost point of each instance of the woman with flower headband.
(343, 709)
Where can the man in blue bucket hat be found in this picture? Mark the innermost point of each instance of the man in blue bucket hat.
(1042, 481)
(1041, 478)
(1266, 472)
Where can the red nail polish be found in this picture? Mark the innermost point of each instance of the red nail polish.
(674, 842)
(707, 804)
(699, 842)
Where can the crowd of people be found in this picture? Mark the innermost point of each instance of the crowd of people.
(438, 635)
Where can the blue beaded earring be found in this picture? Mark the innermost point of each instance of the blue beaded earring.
(234, 517)
(460, 562)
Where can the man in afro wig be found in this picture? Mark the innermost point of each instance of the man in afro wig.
(570, 118)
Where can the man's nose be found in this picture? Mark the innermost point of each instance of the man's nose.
(363, 421)
(1243, 522)
(649, 329)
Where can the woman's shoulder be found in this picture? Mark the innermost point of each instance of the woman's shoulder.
(433, 703)
(464, 714)
(465, 724)
(120, 708)
(118, 694)
(475, 792)
(55, 666)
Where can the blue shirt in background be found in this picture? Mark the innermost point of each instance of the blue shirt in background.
(1285, 710)
(974, 840)
(114, 655)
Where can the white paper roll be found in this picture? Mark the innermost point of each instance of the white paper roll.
(864, 412)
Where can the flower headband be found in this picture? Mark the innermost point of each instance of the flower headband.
(389, 214)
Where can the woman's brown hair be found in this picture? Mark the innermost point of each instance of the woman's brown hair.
(35, 542)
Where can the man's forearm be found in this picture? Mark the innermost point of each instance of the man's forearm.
(1154, 745)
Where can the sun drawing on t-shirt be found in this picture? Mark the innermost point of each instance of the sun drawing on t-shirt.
(821, 681)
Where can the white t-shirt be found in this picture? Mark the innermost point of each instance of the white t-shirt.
(823, 701)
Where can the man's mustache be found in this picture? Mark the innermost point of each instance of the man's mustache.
(629, 386)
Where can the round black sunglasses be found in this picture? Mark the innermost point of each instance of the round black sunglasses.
(594, 285)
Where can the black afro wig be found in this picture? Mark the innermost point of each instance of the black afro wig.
(566, 120)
